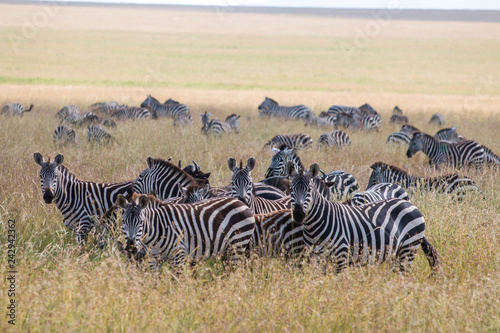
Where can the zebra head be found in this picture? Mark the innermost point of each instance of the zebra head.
(241, 182)
(376, 176)
(48, 175)
(301, 187)
(150, 102)
(267, 104)
(280, 158)
(416, 144)
(205, 118)
(132, 226)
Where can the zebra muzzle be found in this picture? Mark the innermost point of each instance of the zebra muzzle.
(298, 214)
(48, 196)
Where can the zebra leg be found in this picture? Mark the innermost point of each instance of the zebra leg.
(431, 254)
(82, 232)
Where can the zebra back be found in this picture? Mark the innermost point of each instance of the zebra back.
(336, 138)
(448, 134)
(343, 184)
(65, 135)
(399, 137)
(398, 119)
(133, 113)
(271, 108)
(382, 191)
(67, 110)
(295, 141)
(98, 135)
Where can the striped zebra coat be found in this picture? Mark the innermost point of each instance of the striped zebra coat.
(15, 109)
(172, 109)
(67, 110)
(295, 141)
(65, 135)
(459, 154)
(280, 158)
(175, 232)
(242, 188)
(133, 113)
(98, 135)
(454, 185)
(378, 192)
(358, 235)
(217, 127)
(343, 185)
(81, 203)
(336, 138)
(271, 108)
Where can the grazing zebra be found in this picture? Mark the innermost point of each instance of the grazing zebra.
(370, 123)
(463, 153)
(454, 185)
(80, 119)
(399, 137)
(133, 113)
(324, 120)
(272, 108)
(67, 110)
(358, 235)
(398, 119)
(65, 135)
(378, 192)
(342, 109)
(174, 232)
(81, 203)
(183, 120)
(170, 110)
(409, 129)
(295, 141)
(279, 159)
(336, 138)
(15, 109)
(448, 134)
(437, 119)
(98, 135)
(343, 184)
(162, 179)
(216, 127)
(105, 108)
(242, 188)
(367, 109)
(397, 110)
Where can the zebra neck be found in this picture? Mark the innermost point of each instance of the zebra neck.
(316, 208)
(65, 180)
(431, 146)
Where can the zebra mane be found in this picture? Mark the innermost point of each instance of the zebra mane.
(272, 100)
(410, 127)
(284, 146)
(166, 164)
(393, 168)
(231, 116)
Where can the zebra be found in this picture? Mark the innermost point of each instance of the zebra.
(195, 192)
(324, 120)
(399, 137)
(295, 141)
(105, 108)
(183, 120)
(437, 119)
(175, 232)
(464, 153)
(397, 111)
(370, 122)
(448, 134)
(288, 112)
(234, 123)
(367, 109)
(409, 129)
(133, 113)
(98, 135)
(336, 138)
(67, 110)
(216, 127)
(15, 109)
(161, 178)
(81, 203)
(343, 109)
(170, 110)
(378, 192)
(279, 159)
(344, 185)
(65, 135)
(358, 235)
(170, 101)
(242, 188)
(398, 119)
(80, 119)
(455, 185)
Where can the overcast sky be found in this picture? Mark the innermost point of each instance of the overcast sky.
(404, 4)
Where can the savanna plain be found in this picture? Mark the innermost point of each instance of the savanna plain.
(224, 61)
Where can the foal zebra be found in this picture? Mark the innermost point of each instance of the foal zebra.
(280, 158)
(65, 135)
(459, 154)
(336, 138)
(382, 191)
(81, 203)
(98, 135)
(15, 109)
(452, 184)
(368, 234)
(272, 108)
(242, 188)
(296, 141)
(174, 232)
(172, 109)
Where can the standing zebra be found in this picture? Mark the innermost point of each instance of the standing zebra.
(81, 203)
(15, 109)
(336, 138)
(295, 141)
(242, 188)
(174, 232)
(65, 135)
(452, 184)
(382, 191)
(280, 158)
(437, 119)
(162, 179)
(288, 112)
(344, 185)
(448, 134)
(464, 153)
(171, 110)
(133, 113)
(358, 235)
(98, 135)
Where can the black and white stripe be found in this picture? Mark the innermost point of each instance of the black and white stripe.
(296, 141)
(459, 154)
(65, 135)
(358, 235)
(81, 203)
(133, 113)
(382, 191)
(80, 119)
(280, 158)
(448, 134)
(172, 109)
(67, 110)
(98, 135)
(271, 108)
(105, 108)
(218, 127)
(454, 185)
(173, 233)
(336, 138)
(15, 109)
(342, 184)
(183, 120)
(400, 138)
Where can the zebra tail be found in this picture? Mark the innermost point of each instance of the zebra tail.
(28, 110)
(431, 254)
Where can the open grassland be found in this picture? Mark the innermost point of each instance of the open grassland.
(225, 63)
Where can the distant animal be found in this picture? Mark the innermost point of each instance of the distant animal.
(281, 156)
(105, 108)
(171, 109)
(397, 110)
(437, 119)
(324, 120)
(98, 135)
(133, 113)
(217, 127)
(367, 109)
(80, 119)
(403, 136)
(448, 134)
(398, 119)
(271, 108)
(336, 138)
(15, 109)
(295, 141)
(65, 135)
(67, 110)
(378, 192)
(183, 120)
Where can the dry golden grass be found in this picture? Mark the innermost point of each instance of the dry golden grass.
(58, 289)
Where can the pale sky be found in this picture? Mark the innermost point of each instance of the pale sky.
(403, 4)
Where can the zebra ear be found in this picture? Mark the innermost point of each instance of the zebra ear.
(150, 162)
(290, 168)
(143, 201)
(251, 163)
(313, 170)
(59, 159)
(121, 201)
(38, 158)
(275, 150)
(231, 163)
(454, 128)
